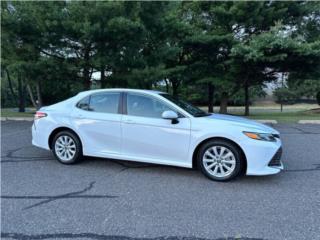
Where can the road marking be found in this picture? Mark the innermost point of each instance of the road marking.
(309, 121)
(266, 121)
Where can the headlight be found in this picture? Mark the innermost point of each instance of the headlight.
(261, 136)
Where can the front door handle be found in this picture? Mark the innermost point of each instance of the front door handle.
(79, 116)
(128, 121)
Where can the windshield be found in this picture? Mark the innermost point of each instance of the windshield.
(194, 111)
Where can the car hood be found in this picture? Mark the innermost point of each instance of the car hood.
(247, 124)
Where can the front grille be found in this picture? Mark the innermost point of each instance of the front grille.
(275, 161)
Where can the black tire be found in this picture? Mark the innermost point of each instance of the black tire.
(77, 143)
(237, 158)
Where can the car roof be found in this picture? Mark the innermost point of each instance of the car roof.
(121, 90)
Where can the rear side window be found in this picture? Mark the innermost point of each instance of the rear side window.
(101, 102)
(84, 103)
(104, 102)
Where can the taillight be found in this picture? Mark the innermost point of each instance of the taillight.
(39, 115)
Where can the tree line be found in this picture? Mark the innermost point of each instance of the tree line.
(207, 52)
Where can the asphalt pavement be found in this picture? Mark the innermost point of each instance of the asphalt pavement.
(108, 199)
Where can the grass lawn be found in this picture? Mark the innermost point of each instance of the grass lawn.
(286, 117)
(10, 112)
(290, 114)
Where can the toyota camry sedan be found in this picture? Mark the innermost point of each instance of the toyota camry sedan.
(155, 127)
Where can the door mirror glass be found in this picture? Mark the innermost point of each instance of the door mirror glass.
(169, 115)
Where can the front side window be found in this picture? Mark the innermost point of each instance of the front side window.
(145, 106)
(194, 111)
(100, 102)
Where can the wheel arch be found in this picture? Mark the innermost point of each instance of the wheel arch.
(196, 150)
(60, 129)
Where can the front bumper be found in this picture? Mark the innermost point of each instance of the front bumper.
(263, 158)
(276, 159)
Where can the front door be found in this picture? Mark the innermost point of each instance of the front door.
(148, 136)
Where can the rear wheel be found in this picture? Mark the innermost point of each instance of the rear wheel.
(219, 160)
(66, 147)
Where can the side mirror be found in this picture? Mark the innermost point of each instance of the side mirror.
(171, 115)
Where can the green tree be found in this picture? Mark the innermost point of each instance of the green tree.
(210, 44)
(50, 50)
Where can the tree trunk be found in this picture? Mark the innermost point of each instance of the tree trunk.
(39, 95)
(31, 96)
(175, 86)
(167, 85)
(86, 71)
(102, 77)
(210, 97)
(246, 97)
(21, 90)
(14, 97)
(224, 102)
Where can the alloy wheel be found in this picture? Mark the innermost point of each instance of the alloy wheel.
(65, 148)
(219, 161)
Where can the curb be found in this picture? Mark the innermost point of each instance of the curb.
(309, 121)
(17, 118)
(266, 121)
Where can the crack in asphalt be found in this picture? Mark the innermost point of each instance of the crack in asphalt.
(300, 131)
(21, 236)
(317, 168)
(14, 133)
(304, 131)
(10, 155)
(302, 170)
(49, 199)
(295, 133)
(27, 160)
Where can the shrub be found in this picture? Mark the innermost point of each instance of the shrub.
(285, 95)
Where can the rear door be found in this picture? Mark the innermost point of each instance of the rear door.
(98, 120)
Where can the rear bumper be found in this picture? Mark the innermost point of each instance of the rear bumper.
(39, 135)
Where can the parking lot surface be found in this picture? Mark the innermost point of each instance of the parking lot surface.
(108, 199)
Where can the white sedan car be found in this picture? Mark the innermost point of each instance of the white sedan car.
(154, 127)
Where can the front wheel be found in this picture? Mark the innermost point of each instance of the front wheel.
(219, 160)
(66, 147)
